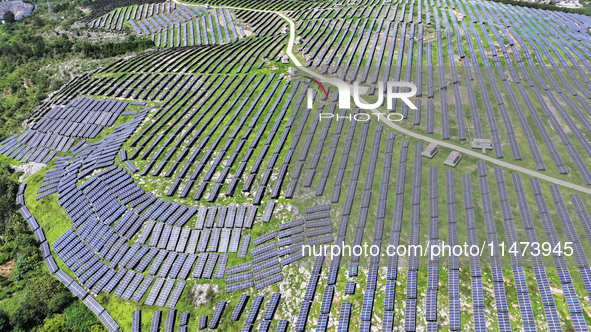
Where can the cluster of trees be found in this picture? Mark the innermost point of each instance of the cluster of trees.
(40, 301)
(8, 17)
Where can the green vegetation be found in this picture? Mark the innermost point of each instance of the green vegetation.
(38, 55)
(9, 17)
(30, 298)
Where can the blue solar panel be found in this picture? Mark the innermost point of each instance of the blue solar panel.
(155, 325)
(272, 306)
(254, 310)
(202, 322)
(350, 287)
(184, 318)
(215, 319)
(169, 325)
(136, 321)
(282, 325)
(344, 317)
(239, 307)
(327, 299)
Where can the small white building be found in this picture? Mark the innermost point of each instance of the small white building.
(298, 40)
(291, 71)
(453, 159)
(285, 59)
(430, 151)
(482, 143)
(284, 30)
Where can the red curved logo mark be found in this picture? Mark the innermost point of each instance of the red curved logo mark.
(319, 85)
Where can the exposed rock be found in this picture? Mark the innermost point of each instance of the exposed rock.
(28, 169)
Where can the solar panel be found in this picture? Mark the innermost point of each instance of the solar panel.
(272, 306)
(173, 239)
(139, 293)
(345, 314)
(250, 216)
(192, 245)
(244, 243)
(147, 259)
(254, 310)
(136, 320)
(239, 286)
(153, 295)
(184, 237)
(262, 249)
(51, 264)
(410, 315)
(187, 265)
(176, 266)
(164, 292)
(169, 325)
(264, 326)
(268, 211)
(129, 275)
(93, 305)
(176, 294)
(155, 325)
(235, 240)
(282, 325)
(350, 287)
(215, 319)
(157, 262)
(203, 240)
(221, 267)
(264, 238)
(208, 271)
(239, 219)
(239, 307)
(388, 320)
(353, 270)
(202, 322)
(108, 321)
(225, 240)
(114, 281)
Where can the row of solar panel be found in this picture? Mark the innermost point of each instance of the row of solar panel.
(90, 302)
(114, 20)
(194, 32)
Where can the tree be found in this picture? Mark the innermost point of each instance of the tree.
(79, 317)
(25, 317)
(41, 290)
(59, 302)
(55, 323)
(9, 17)
(4, 321)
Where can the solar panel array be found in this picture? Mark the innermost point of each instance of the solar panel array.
(170, 25)
(411, 277)
(108, 209)
(433, 265)
(475, 271)
(57, 131)
(453, 273)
